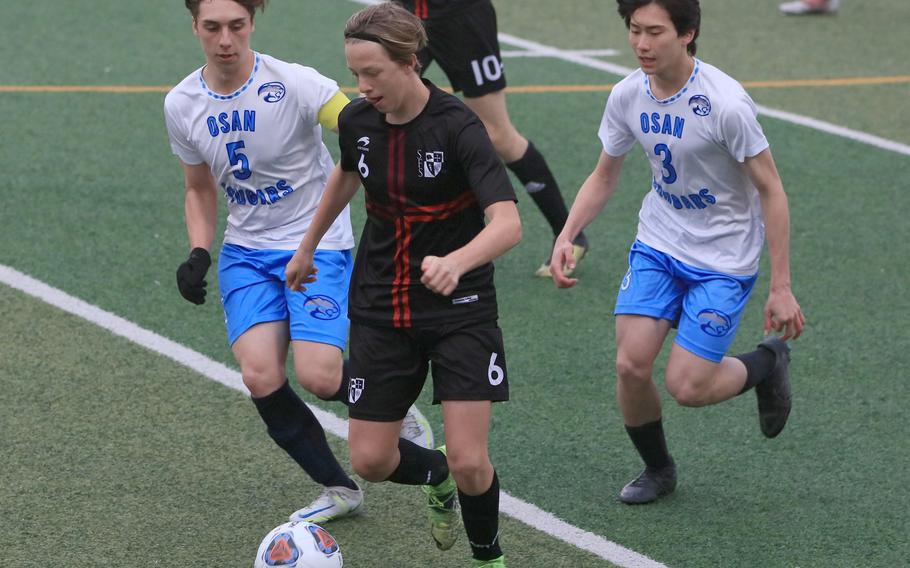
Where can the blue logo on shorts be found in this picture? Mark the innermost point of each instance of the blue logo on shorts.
(272, 92)
(322, 307)
(700, 105)
(714, 322)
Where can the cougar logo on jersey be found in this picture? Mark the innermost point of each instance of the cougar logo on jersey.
(430, 165)
(700, 105)
(356, 389)
(363, 144)
(272, 92)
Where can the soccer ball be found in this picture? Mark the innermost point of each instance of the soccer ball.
(298, 544)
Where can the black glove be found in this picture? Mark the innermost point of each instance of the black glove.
(191, 276)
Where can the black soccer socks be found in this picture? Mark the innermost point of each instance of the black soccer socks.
(294, 427)
(651, 444)
(419, 466)
(534, 173)
(480, 514)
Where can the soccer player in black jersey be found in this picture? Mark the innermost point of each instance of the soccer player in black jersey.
(462, 40)
(422, 294)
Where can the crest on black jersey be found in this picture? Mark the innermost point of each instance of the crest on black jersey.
(430, 164)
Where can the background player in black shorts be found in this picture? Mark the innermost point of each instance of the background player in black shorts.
(462, 39)
(422, 294)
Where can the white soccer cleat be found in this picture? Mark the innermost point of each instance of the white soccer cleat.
(416, 428)
(805, 8)
(333, 503)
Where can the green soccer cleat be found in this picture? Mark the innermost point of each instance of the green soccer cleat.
(416, 428)
(495, 563)
(442, 501)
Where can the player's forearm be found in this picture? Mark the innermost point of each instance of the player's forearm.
(776, 212)
(201, 210)
(502, 232)
(593, 196)
(339, 191)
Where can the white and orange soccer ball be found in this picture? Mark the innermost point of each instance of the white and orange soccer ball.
(298, 544)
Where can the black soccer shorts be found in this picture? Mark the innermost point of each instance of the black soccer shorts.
(465, 46)
(388, 367)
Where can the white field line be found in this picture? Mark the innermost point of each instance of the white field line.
(587, 52)
(527, 513)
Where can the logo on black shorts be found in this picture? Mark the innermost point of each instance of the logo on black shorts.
(356, 389)
(322, 307)
(714, 322)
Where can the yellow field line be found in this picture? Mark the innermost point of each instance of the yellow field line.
(771, 84)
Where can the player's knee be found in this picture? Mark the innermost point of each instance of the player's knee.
(632, 373)
(506, 140)
(687, 391)
(370, 464)
(468, 467)
(322, 381)
(262, 380)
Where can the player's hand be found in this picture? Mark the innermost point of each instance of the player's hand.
(191, 276)
(440, 274)
(561, 259)
(783, 314)
(300, 270)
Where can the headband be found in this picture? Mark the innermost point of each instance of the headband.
(364, 36)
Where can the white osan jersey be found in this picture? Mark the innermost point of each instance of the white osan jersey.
(702, 208)
(264, 146)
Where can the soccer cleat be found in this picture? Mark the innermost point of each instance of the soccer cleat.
(651, 484)
(495, 563)
(774, 398)
(333, 503)
(804, 8)
(416, 428)
(442, 501)
(579, 250)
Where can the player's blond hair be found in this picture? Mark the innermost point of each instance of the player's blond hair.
(400, 32)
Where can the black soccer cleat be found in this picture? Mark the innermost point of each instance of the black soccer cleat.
(774, 398)
(650, 485)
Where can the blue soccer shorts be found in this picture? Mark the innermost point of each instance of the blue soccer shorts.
(253, 290)
(705, 305)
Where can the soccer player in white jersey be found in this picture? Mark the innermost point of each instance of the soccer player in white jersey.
(714, 194)
(251, 125)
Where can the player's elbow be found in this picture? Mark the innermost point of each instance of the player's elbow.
(511, 231)
(515, 232)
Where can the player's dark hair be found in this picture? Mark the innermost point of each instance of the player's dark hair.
(250, 5)
(685, 14)
(400, 32)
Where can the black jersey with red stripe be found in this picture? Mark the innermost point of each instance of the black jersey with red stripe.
(427, 184)
(433, 9)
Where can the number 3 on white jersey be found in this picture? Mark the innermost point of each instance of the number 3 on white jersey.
(495, 373)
